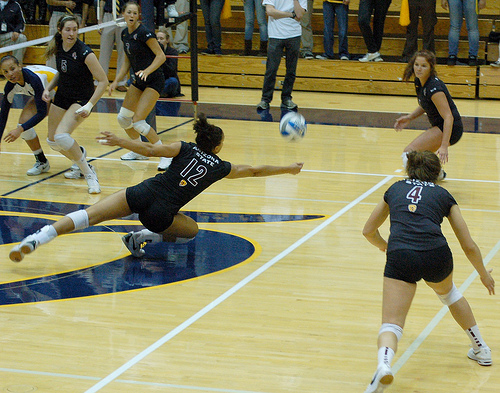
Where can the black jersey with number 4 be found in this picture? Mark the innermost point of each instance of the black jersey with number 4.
(417, 210)
(75, 79)
(138, 52)
(190, 172)
(424, 96)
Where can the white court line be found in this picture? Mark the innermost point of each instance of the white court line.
(434, 322)
(136, 359)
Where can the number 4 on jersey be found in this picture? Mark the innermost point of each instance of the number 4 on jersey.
(415, 194)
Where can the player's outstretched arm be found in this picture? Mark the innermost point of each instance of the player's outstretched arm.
(240, 171)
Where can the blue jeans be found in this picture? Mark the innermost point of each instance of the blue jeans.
(379, 8)
(458, 10)
(275, 50)
(252, 7)
(211, 13)
(171, 87)
(329, 12)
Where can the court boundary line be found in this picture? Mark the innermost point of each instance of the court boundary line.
(180, 328)
(440, 315)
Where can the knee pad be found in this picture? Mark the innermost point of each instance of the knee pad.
(29, 134)
(390, 327)
(65, 141)
(451, 297)
(142, 127)
(80, 218)
(125, 118)
(53, 145)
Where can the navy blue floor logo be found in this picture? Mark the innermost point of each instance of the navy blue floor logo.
(164, 263)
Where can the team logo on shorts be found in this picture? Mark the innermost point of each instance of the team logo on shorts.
(412, 208)
(182, 183)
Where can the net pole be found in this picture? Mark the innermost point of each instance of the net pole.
(194, 54)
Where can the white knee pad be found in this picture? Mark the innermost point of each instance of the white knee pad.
(53, 145)
(80, 218)
(65, 141)
(390, 327)
(142, 127)
(29, 134)
(125, 118)
(451, 297)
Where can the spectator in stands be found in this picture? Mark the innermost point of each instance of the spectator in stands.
(458, 10)
(307, 33)
(30, 12)
(109, 37)
(252, 8)
(373, 39)
(12, 27)
(330, 9)
(172, 84)
(426, 9)
(180, 40)
(284, 38)
(212, 10)
(60, 8)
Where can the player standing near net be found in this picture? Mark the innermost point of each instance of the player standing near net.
(157, 200)
(145, 56)
(435, 100)
(418, 250)
(29, 81)
(77, 67)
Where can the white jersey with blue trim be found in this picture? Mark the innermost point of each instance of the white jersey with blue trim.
(45, 75)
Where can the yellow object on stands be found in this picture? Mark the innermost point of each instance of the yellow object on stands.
(404, 15)
(226, 10)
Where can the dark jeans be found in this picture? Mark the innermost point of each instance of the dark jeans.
(275, 50)
(426, 9)
(211, 13)
(329, 12)
(379, 8)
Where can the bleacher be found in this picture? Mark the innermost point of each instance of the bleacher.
(233, 70)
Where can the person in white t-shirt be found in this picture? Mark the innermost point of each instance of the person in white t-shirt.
(284, 32)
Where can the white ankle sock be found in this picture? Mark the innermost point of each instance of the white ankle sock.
(475, 338)
(83, 165)
(151, 237)
(385, 355)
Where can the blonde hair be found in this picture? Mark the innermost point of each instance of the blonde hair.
(56, 41)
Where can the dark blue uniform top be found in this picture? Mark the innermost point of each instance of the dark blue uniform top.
(190, 172)
(138, 52)
(424, 94)
(417, 210)
(75, 79)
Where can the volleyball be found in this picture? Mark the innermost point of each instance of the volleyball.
(293, 126)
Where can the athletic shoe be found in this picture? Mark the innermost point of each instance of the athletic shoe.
(323, 57)
(473, 61)
(288, 104)
(38, 168)
(482, 356)
(442, 175)
(344, 57)
(171, 11)
(371, 57)
(452, 60)
(27, 246)
(307, 55)
(130, 241)
(93, 182)
(131, 156)
(496, 63)
(381, 379)
(164, 163)
(263, 105)
(74, 171)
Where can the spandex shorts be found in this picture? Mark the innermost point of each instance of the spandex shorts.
(65, 102)
(411, 266)
(456, 132)
(153, 213)
(155, 81)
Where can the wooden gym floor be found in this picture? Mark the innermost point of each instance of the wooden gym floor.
(279, 293)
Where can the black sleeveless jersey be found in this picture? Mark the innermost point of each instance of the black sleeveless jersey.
(424, 94)
(417, 210)
(138, 52)
(190, 172)
(75, 79)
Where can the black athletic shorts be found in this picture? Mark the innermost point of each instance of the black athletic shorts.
(153, 212)
(456, 132)
(156, 81)
(411, 266)
(65, 102)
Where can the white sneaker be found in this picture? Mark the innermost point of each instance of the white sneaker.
(93, 182)
(482, 356)
(27, 246)
(130, 241)
(74, 172)
(38, 168)
(496, 63)
(371, 57)
(171, 11)
(382, 378)
(164, 163)
(130, 156)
